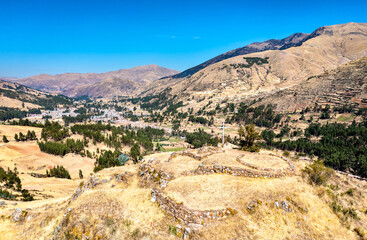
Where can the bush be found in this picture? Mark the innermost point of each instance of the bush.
(80, 174)
(200, 138)
(286, 154)
(318, 173)
(58, 172)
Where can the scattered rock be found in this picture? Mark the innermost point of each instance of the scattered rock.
(104, 181)
(2, 203)
(154, 197)
(163, 183)
(17, 214)
(194, 227)
(286, 207)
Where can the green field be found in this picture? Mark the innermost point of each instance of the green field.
(344, 118)
(174, 149)
(174, 139)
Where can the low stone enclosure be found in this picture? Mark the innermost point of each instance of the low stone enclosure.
(200, 154)
(278, 172)
(160, 179)
(179, 211)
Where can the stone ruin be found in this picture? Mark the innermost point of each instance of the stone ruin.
(160, 179)
(279, 172)
(179, 211)
(235, 171)
(202, 153)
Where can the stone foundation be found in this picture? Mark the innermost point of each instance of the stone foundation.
(235, 171)
(202, 153)
(179, 211)
(284, 171)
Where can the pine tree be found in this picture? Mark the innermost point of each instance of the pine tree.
(16, 137)
(248, 138)
(21, 137)
(5, 139)
(80, 174)
(135, 152)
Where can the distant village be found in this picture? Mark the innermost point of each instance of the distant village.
(109, 116)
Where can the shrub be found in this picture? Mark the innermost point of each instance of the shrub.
(80, 174)
(286, 154)
(318, 173)
(350, 192)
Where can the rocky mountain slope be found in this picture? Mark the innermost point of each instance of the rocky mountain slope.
(93, 84)
(261, 73)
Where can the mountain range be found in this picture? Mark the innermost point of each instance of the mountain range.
(265, 72)
(109, 84)
(258, 70)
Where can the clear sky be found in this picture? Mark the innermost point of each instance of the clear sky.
(58, 36)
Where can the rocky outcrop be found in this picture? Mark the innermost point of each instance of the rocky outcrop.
(91, 182)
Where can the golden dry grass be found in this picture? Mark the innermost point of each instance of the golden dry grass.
(28, 158)
(177, 165)
(9, 131)
(15, 103)
(120, 210)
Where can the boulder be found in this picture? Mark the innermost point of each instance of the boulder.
(17, 214)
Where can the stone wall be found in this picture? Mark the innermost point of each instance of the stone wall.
(150, 174)
(284, 171)
(179, 211)
(235, 171)
(202, 153)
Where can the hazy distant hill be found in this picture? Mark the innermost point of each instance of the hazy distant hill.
(77, 84)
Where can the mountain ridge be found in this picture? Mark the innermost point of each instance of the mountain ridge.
(68, 83)
(325, 49)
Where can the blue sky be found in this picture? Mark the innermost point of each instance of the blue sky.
(58, 36)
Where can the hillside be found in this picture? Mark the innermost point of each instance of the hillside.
(256, 74)
(194, 197)
(93, 84)
(272, 44)
(14, 95)
(345, 85)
